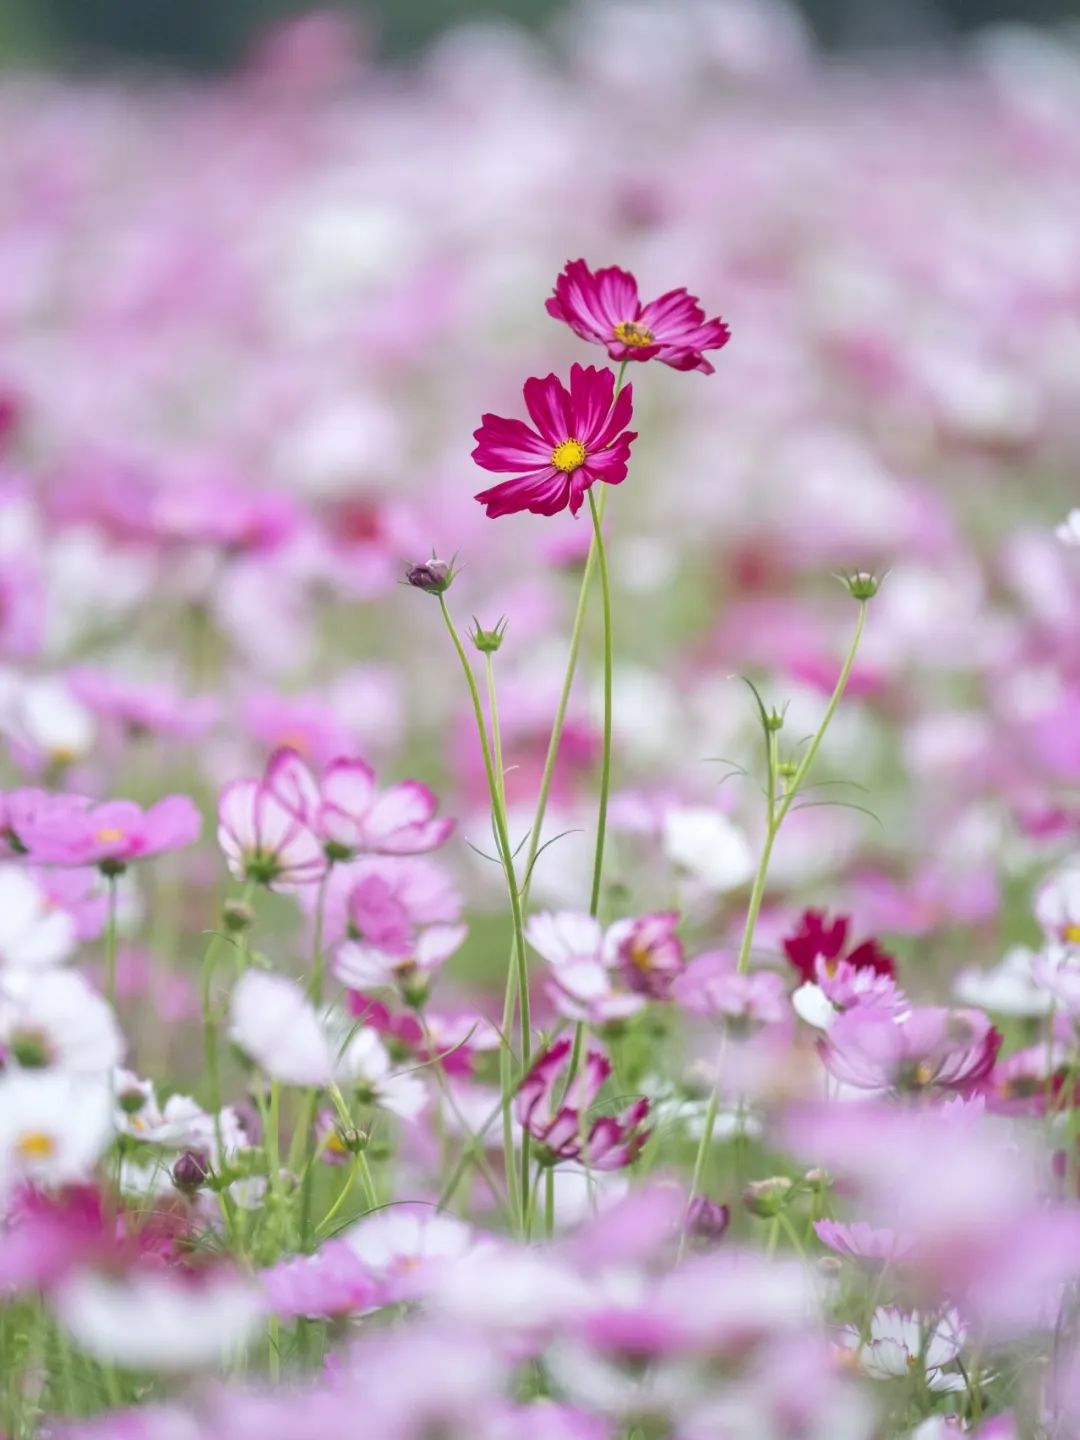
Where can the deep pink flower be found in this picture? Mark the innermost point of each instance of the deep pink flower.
(604, 308)
(72, 830)
(819, 939)
(580, 437)
(345, 811)
(562, 1127)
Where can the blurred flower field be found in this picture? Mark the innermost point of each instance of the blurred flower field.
(600, 963)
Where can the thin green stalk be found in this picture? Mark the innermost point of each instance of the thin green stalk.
(498, 810)
(605, 767)
(568, 682)
(310, 1111)
(111, 942)
(777, 812)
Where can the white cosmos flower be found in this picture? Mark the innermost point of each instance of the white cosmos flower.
(180, 1124)
(1010, 988)
(1057, 904)
(364, 1064)
(272, 1020)
(401, 1240)
(54, 1126)
(1068, 532)
(55, 1019)
(159, 1319)
(707, 846)
(43, 716)
(32, 933)
(902, 1341)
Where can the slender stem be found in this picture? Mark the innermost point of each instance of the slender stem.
(777, 812)
(342, 1195)
(605, 767)
(317, 966)
(111, 942)
(498, 811)
(568, 682)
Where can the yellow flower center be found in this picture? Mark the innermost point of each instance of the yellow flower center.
(641, 957)
(110, 835)
(570, 455)
(924, 1073)
(1071, 934)
(631, 333)
(35, 1145)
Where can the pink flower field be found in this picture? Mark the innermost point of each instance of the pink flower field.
(540, 716)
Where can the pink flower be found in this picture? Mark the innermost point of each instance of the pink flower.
(346, 813)
(263, 840)
(580, 437)
(72, 830)
(711, 985)
(604, 308)
(926, 1048)
(647, 952)
(869, 1248)
(141, 707)
(562, 1127)
(604, 977)
(331, 1282)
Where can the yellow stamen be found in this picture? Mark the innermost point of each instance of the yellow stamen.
(110, 835)
(570, 455)
(924, 1073)
(631, 333)
(1071, 934)
(641, 957)
(35, 1145)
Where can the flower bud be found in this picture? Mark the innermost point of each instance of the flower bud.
(706, 1221)
(191, 1171)
(488, 641)
(432, 576)
(817, 1179)
(236, 916)
(774, 720)
(767, 1198)
(861, 584)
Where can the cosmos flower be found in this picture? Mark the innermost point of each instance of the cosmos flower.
(72, 830)
(604, 308)
(902, 1341)
(562, 1126)
(927, 1048)
(580, 436)
(345, 811)
(263, 840)
(34, 933)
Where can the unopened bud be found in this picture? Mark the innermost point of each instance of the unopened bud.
(774, 720)
(767, 1197)
(432, 576)
(191, 1171)
(861, 584)
(237, 916)
(817, 1179)
(706, 1221)
(488, 641)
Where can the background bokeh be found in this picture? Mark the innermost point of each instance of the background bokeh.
(206, 34)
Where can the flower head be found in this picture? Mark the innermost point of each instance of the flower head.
(580, 436)
(72, 830)
(604, 307)
(561, 1125)
(347, 814)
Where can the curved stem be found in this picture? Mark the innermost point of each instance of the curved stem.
(605, 767)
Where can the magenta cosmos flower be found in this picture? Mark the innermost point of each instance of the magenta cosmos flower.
(562, 1127)
(72, 830)
(605, 309)
(580, 437)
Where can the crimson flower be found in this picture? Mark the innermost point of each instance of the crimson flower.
(605, 309)
(819, 938)
(580, 437)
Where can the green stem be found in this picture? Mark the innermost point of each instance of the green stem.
(111, 943)
(498, 810)
(568, 682)
(777, 812)
(605, 767)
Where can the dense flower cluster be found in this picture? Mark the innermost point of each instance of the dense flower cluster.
(514, 1065)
